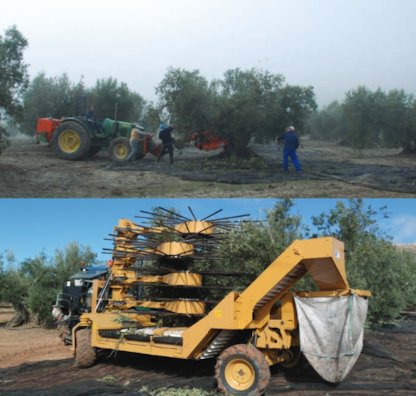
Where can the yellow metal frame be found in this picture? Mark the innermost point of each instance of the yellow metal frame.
(266, 306)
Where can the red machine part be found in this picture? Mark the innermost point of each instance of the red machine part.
(45, 128)
(207, 140)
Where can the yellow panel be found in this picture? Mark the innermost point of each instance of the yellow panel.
(175, 249)
(196, 227)
(183, 279)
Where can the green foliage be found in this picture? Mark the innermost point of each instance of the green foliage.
(38, 280)
(363, 110)
(398, 121)
(328, 123)
(13, 77)
(369, 119)
(54, 97)
(13, 286)
(252, 246)
(67, 261)
(41, 278)
(13, 70)
(249, 104)
(187, 97)
(245, 103)
(108, 92)
(349, 222)
(59, 97)
(373, 262)
(151, 116)
(389, 273)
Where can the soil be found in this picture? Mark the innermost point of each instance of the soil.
(30, 170)
(34, 361)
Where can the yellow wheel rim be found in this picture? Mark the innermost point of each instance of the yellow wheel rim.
(120, 151)
(69, 141)
(240, 374)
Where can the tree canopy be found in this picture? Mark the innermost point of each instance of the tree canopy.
(34, 284)
(367, 119)
(241, 105)
(108, 93)
(54, 97)
(13, 76)
(58, 97)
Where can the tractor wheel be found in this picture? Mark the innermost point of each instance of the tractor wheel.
(85, 354)
(93, 150)
(71, 141)
(119, 149)
(64, 333)
(242, 370)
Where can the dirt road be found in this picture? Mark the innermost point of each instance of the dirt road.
(33, 361)
(30, 170)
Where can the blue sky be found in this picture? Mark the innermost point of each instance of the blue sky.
(30, 226)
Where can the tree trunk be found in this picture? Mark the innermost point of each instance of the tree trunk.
(238, 147)
(21, 316)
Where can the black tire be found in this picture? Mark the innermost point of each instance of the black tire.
(64, 333)
(71, 141)
(119, 149)
(85, 354)
(93, 150)
(242, 370)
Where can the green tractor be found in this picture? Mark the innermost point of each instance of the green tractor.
(75, 138)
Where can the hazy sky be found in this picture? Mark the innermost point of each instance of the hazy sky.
(30, 226)
(333, 45)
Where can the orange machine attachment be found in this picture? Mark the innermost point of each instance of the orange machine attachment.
(45, 128)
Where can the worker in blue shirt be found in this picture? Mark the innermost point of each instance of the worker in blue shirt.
(290, 145)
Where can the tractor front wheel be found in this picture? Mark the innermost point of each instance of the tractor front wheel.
(85, 354)
(119, 149)
(242, 370)
(71, 141)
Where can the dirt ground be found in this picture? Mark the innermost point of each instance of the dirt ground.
(34, 361)
(30, 170)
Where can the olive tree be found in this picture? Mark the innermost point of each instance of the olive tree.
(241, 105)
(13, 78)
(54, 97)
(373, 261)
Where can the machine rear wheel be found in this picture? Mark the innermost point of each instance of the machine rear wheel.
(119, 149)
(242, 370)
(71, 141)
(85, 354)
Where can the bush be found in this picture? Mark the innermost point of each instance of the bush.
(388, 272)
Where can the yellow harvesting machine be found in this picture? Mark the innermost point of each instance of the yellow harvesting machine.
(247, 331)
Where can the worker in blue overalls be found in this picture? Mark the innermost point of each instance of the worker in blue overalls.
(290, 145)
